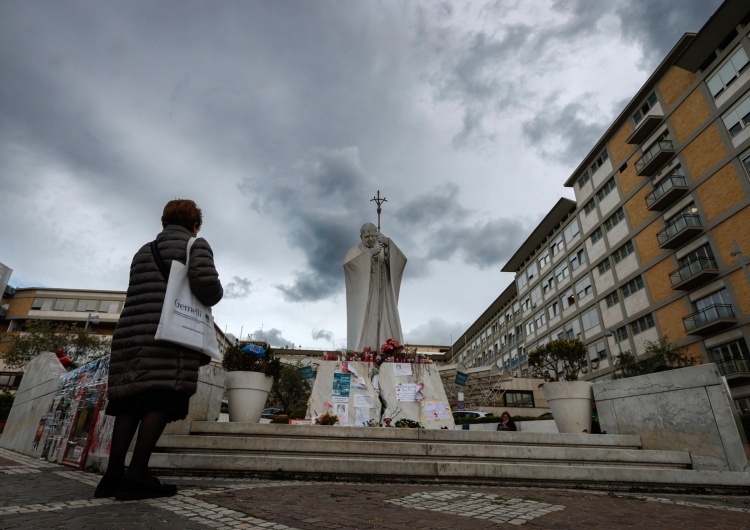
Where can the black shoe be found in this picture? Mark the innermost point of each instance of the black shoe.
(132, 490)
(107, 487)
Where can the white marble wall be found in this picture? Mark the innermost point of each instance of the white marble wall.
(39, 386)
(426, 374)
(689, 409)
(205, 404)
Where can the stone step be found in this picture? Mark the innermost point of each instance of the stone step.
(416, 449)
(212, 428)
(416, 470)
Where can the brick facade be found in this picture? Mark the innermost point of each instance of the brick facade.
(674, 84)
(722, 191)
(690, 115)
(704, 152)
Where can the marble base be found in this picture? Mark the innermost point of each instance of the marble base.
(387, 381)
(205, 404)
(689, 409)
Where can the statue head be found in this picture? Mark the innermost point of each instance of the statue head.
(369, 234)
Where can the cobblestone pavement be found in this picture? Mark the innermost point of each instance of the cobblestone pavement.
(37, 494)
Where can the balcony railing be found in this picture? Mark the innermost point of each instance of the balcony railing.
(693, 273)
(668, 191)
(680, 229)
(734, 366)
(644, 129)
(709, 319)
(654, 157)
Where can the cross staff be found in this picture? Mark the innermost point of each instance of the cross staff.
(379, 201)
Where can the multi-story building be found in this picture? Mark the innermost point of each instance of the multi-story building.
(653, 245)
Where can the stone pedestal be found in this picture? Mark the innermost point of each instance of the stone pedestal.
(689, 409)
(205, 404)
(39, 386)
(386, 379)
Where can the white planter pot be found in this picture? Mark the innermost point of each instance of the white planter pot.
(570, 403)
(247, 393)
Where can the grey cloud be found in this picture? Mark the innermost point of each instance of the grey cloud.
(238, 288)
(435, 331)
(563, 133)
(438, 205)
(322, 334)
(272, 336)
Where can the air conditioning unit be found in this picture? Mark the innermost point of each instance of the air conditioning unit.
(9, 291)
(4, 310)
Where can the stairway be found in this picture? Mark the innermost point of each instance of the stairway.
(416, 455)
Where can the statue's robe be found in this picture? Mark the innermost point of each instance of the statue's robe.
(372, 288)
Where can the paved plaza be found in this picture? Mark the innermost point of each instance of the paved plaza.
(37, 494)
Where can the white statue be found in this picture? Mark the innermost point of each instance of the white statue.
(373, 271)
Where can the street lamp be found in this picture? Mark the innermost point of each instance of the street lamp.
(611, 333)
(737, 252)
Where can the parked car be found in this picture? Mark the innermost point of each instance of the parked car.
(470, 414)
(268, 413)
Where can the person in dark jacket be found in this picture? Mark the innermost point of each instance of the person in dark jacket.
(151, 381)
(506, 422)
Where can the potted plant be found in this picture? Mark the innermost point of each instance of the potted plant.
(251, 369)
(559, 362)
(6, 403)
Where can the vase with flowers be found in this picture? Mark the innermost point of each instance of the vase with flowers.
(251, 369)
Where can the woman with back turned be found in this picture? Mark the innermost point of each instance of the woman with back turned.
(151, 381)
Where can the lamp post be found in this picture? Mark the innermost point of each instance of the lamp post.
(611, 333)
(737, 252)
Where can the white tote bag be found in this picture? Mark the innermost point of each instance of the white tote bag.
(185, 320)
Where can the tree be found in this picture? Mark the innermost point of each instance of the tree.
(659, 355)
(291, 390)
(561, 355)
(42, 335)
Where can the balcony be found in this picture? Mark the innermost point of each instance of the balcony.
(654, 157)
(680, 229)
(645, 128)
(737, 371)
(693, 273)
(666, 193)
(709, 319)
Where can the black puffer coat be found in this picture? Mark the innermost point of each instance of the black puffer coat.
(139, 362)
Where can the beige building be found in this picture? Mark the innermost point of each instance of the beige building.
(653, 245)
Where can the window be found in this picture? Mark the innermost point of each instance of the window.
(568, 299)
(644, 108)
(518, 398)
(561, 272)
(642, 324)
(553, 309)
(598, 350)
(612, 298)
(578, 258)
(536, 295)
(526, 304)
(746, 163)
(633, 286)
(522, 281)
(732, 357)
(571, 231)
(621, 334)
(64, 305)
(42, 304)
(599, 162)
(729, 72)
(597, 235)
(549, 283)
(604, 266)
(738, 118)
(544, 259)
(702, 253)
(516, 308)
(614, 219)
(583, 287)
(532, 270)
(540, 319)
(583, 179)
(718, 298)
(606, 189)
(572, 329)
(557, 244)
(590, 318)
(623, 252)
(589, 206)
(87, 305)
(529, 327)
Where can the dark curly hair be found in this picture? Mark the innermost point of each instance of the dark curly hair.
(183, 212)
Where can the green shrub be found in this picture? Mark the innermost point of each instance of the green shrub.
(298, 413)
(6, 402)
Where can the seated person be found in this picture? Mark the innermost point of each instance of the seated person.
(506, 423)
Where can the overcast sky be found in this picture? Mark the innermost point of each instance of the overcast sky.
(282, 119)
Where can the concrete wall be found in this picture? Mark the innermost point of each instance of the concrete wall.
(689, 409)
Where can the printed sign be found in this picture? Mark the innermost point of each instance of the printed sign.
(461, 378)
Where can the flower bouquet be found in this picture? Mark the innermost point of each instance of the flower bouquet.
(327, 419)
(405, 423)
(391, 347)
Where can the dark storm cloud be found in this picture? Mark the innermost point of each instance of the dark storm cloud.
(272, 336)
(322, 334)
(238, 288)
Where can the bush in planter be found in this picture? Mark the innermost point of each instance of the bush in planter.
(6, 403)
(236, 360)
(559, 360)
(659, 355)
